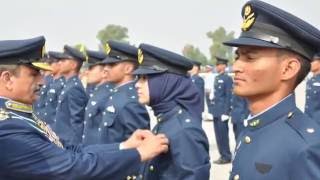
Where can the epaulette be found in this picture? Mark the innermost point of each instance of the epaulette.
(307, 128)
(17, 106)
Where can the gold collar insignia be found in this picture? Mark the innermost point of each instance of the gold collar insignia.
(17, 106)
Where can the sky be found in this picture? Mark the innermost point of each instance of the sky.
(169, 24)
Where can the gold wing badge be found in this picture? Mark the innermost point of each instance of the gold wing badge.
(248, 18)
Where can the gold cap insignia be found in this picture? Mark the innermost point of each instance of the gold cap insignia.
(140, 56)
(82, 49)
(43, 51)
(107, 48)
(248, 18)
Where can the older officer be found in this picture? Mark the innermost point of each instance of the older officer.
(30, 150)
(164, 85)
(72, 100)
(96, 76)
(312, 106)
(273, 56)
(221, 110)
(54, 88)
(239, 112)
(197, 80)
(123, 114)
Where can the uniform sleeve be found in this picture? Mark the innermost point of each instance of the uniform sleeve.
(77, 101)
(200, 85)
(135, 116)
(228, 90)
(307, 164)
(28, 156)
(189, 149)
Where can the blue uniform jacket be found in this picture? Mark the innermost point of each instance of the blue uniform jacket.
(239, 109)
(281, 143)
(70, 112)
(30, 150)
(199, 82)
(93, 115)
(312, 106)
(90, 89)
(51, 101)
(39, 105)
(123, 114)
(222, 95)
(188, 156)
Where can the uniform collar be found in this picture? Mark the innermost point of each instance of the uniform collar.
(316, 76)
(127, 85)
(273, 113)
(73, 78)
(165, 116)
(15, 106)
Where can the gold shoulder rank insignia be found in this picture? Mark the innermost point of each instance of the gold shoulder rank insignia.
(248, 18)
(17, 106)
(3, 114)
(140, 56)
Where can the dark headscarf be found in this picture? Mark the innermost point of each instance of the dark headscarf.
(168, 90)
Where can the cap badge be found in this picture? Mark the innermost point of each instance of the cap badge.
(248, 18)
(107, 48)
(140, 56)
(43, 51)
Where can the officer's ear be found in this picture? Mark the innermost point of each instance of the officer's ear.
(6, 78)
(290, 67)
(129, 68)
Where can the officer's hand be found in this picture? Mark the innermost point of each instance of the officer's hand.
(152, 146)
(136, 139)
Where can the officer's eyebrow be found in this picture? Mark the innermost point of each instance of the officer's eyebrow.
(249, 50)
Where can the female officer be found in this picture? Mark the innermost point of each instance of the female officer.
(165, 86)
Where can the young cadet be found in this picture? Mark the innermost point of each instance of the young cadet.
(31, 150)
(123, 114)
(312, 105)
(221, 104)
(97, 77)
(54, 88)
(68, 123)
(274, 52)
(164, 85)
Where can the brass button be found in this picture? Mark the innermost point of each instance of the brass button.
(151, 168)
(140, 176)
(236, 177)
(128, 177)
(134, 177)
(247, 139)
